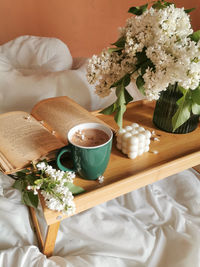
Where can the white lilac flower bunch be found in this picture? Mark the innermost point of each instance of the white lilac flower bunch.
(156, 48)
(55, 186)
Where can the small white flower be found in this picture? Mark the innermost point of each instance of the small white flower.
(154, 151)
(101, 179)
(156, 139)
(41, 166)
(71, 175)
(27, 118)
(49, 170)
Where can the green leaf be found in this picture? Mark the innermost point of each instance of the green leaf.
(167, 3)
(195, 36)
(140, 84)
(120, 95)
(189, 10)
(21, 175)
(50, 186)
(75, 189)
(145, 65)
(31, 178)
(182, 114)
(158, 5)
(19, 185)
(143, 62)
(121, 104)
(128, 97)
(109, 110)
(115, 49)
(120, 42)
(116, 83)
(196, 109)
(29, 199)
(138, 10)
(196, 95)
(161, 4)
(182, 90)
(141, 57)
(125, 80)
(119, 115)
(123, 98)
(38, 181)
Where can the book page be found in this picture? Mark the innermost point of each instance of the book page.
(61, 114)
(23, 139)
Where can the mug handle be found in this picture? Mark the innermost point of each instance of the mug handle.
(60, 153)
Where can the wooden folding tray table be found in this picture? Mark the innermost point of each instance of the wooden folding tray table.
(176, 152)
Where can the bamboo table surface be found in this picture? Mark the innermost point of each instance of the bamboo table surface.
(176, 152)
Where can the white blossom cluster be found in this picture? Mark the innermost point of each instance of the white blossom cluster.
(164, 34)
(61, 199)
(107, 69)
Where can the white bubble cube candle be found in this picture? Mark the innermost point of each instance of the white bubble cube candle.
(133, 140)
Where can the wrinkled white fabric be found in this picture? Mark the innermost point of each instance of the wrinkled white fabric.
(154, 226)
(34, 68)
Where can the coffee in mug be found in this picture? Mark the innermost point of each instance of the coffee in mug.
(89, 148)
(89, 137)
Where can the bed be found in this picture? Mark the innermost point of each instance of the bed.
(155, 226)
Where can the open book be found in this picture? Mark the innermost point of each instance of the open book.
(31, 137)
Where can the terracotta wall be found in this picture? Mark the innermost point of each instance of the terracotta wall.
(86, 26)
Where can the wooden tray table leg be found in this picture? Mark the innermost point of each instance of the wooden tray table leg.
(50, 239)
(48, 247)
(37, 228)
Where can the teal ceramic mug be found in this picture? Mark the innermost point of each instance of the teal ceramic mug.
(90, 162)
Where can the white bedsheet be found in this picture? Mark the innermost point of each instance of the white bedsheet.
(155, 226)
(158, 225)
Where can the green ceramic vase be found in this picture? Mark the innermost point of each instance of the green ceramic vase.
(166, 107)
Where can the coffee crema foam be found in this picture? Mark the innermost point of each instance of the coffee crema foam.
(89, 137)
